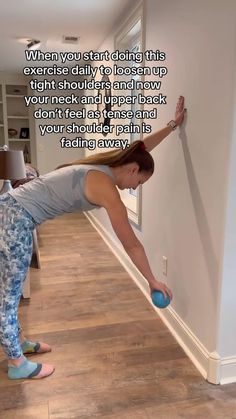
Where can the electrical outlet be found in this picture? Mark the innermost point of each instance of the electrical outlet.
(164, 265)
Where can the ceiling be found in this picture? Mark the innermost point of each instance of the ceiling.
(48, 21)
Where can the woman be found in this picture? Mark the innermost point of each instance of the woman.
(82, 185)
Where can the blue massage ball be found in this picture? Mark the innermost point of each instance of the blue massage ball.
(159, 300)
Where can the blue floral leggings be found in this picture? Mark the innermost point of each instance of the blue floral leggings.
(16, 227)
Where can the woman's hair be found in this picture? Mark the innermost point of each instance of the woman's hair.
(136, 152)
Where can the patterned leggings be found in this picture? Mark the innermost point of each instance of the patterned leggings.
(16, 227)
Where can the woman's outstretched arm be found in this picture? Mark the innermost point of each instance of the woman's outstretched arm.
(101, 191)
(152, 140)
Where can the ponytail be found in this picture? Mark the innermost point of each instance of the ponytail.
(136, 152)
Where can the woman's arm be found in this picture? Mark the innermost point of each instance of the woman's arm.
(152, 140)
(119, 220)
(100, 190)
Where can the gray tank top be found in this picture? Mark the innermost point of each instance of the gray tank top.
(57, 192)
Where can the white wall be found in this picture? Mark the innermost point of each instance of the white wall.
(190, 189)
(184, 203)
(48, 148)
(226, 337)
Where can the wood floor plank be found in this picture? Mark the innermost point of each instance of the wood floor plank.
(114, 357)
(38, 411)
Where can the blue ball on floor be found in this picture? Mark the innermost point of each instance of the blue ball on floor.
(159, 300)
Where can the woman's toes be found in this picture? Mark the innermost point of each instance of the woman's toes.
(43, 347)
(45, 371)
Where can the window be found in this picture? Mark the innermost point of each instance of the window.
(130, 38)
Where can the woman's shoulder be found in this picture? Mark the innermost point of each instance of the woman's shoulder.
(99, 186)
(102, 178)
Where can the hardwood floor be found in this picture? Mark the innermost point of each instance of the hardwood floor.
(114, 357)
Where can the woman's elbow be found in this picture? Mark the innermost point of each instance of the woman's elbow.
(131, 248)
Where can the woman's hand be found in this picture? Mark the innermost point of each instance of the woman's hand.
(160, 286)
(179, 112)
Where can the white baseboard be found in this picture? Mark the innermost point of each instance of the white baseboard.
(214, 369)
(228, 370)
